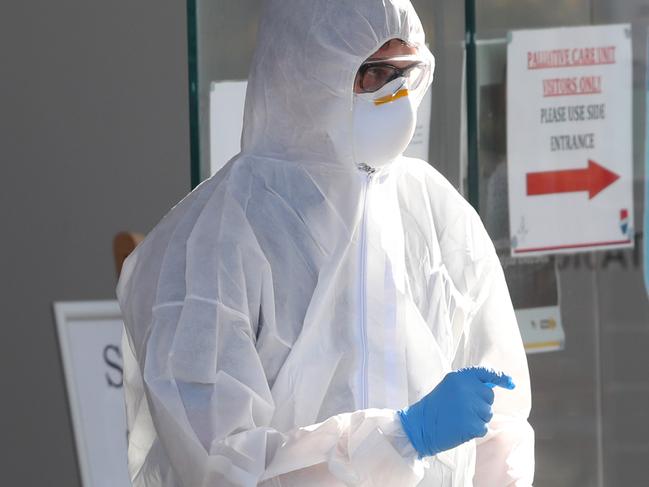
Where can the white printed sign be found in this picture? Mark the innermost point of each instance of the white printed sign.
(90, 336)
(227, 100)
(569, 139)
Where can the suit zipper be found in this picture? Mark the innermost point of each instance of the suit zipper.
(368, 172)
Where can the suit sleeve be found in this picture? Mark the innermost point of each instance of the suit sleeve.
(505, 457)
(200, 408)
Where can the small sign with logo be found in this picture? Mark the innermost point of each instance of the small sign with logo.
(534, 289)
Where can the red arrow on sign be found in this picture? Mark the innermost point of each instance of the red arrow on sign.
(592, 179)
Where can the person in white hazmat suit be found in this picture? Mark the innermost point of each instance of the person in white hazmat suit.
(312, 314)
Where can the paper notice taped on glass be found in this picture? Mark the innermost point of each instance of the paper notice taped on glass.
(227, 100)
(570, 139)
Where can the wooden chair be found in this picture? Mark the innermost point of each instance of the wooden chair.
(123, 244)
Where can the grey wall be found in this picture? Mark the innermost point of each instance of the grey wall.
(94, 139)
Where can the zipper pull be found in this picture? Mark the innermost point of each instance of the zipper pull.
(366, 168)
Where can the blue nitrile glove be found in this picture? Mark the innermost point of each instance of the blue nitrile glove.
(456, 411)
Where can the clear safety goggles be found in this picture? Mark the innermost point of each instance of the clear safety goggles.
(374, 74)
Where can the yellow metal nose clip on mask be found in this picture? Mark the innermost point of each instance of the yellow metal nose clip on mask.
(401, 93)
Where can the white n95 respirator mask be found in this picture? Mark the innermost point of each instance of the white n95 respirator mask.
(383, 124)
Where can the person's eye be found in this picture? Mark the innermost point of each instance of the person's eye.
(379, 73)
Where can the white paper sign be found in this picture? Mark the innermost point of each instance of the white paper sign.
(569, 139)
(90, 338)
(227, 100)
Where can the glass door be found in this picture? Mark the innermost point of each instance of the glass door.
(591, 390)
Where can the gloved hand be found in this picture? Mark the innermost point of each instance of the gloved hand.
(456, 411)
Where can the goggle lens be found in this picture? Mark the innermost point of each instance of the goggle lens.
(375, 74)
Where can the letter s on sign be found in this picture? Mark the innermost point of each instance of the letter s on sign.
(113, 358)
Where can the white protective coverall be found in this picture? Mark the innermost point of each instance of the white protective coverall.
(280, 313)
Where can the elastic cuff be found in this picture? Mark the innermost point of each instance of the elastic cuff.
(403, 418)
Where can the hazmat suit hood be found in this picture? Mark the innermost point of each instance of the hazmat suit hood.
(279, 315)
(300, 91)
